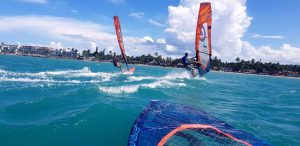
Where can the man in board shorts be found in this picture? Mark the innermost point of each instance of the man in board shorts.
(187, 64)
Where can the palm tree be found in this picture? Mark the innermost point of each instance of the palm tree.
(156, 54)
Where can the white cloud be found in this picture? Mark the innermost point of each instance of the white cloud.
(139, 46)
(138, 15)
(57, 27)
(93, 46)
(285, 54)
(117, 1)
(170, 48)
(73, 33)
(230, 23)
(56, 45)
(35, 1)
(161, 41)
(156, 23)
(259, 36)
(74, 11)
(148, 39)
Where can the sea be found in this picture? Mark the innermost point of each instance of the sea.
(56, 102)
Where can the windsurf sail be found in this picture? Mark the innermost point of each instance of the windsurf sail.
(170, 124)
(203, 38)
(120, 38)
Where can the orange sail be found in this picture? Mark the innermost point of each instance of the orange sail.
(120, 38)
(203, 38)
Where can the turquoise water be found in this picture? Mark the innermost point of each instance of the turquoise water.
(67, 102)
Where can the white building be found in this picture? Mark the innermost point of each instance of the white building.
(10, 49)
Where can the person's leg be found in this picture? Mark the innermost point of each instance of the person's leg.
(189, 67)
(120, 69)
(186, 66)
(119, 66)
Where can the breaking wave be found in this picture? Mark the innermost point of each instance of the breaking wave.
(86, 76)
(134, 88)
(85, 72)
(170, 76)
(5, 79)
(119, 89)
(51, 76)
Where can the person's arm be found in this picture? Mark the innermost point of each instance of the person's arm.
(194, 61)
(116, 59)
(119, 58)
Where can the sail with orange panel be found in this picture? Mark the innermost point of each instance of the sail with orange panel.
(203, 38)
(120, 38)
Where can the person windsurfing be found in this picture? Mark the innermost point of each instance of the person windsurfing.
(121, 45)
(185, 60)
(187, 64)
(116, 62)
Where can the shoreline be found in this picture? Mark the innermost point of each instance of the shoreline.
(223, 72)
(145, 65)
(256, 74)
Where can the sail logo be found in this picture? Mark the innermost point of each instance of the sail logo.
(134, 136)
(203, 34)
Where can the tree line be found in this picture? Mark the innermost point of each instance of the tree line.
(240, 65)
(254, 66)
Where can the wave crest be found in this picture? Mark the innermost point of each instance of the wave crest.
(134, 88)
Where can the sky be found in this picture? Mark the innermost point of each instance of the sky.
(265, 30)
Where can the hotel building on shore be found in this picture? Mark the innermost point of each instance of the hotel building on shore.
(37, 50)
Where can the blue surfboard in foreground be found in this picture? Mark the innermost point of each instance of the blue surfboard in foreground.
(164, 123)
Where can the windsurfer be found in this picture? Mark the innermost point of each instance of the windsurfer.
(187, 64)
(116, 62)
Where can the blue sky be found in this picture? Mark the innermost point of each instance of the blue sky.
(99, 11)
(265, 25)
(275, 17)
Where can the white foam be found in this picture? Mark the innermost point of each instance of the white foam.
(119, 89)
(162, 84)
(127, 73)
(134, 78)
(48, 75)
(65, 72)
(19, 74)
(5, 79)
(169, 76)
(178, 75)
(85, 72)
(134, 88)
(12, 79)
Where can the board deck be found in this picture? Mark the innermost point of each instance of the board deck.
(131, 70)
(194, 73)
